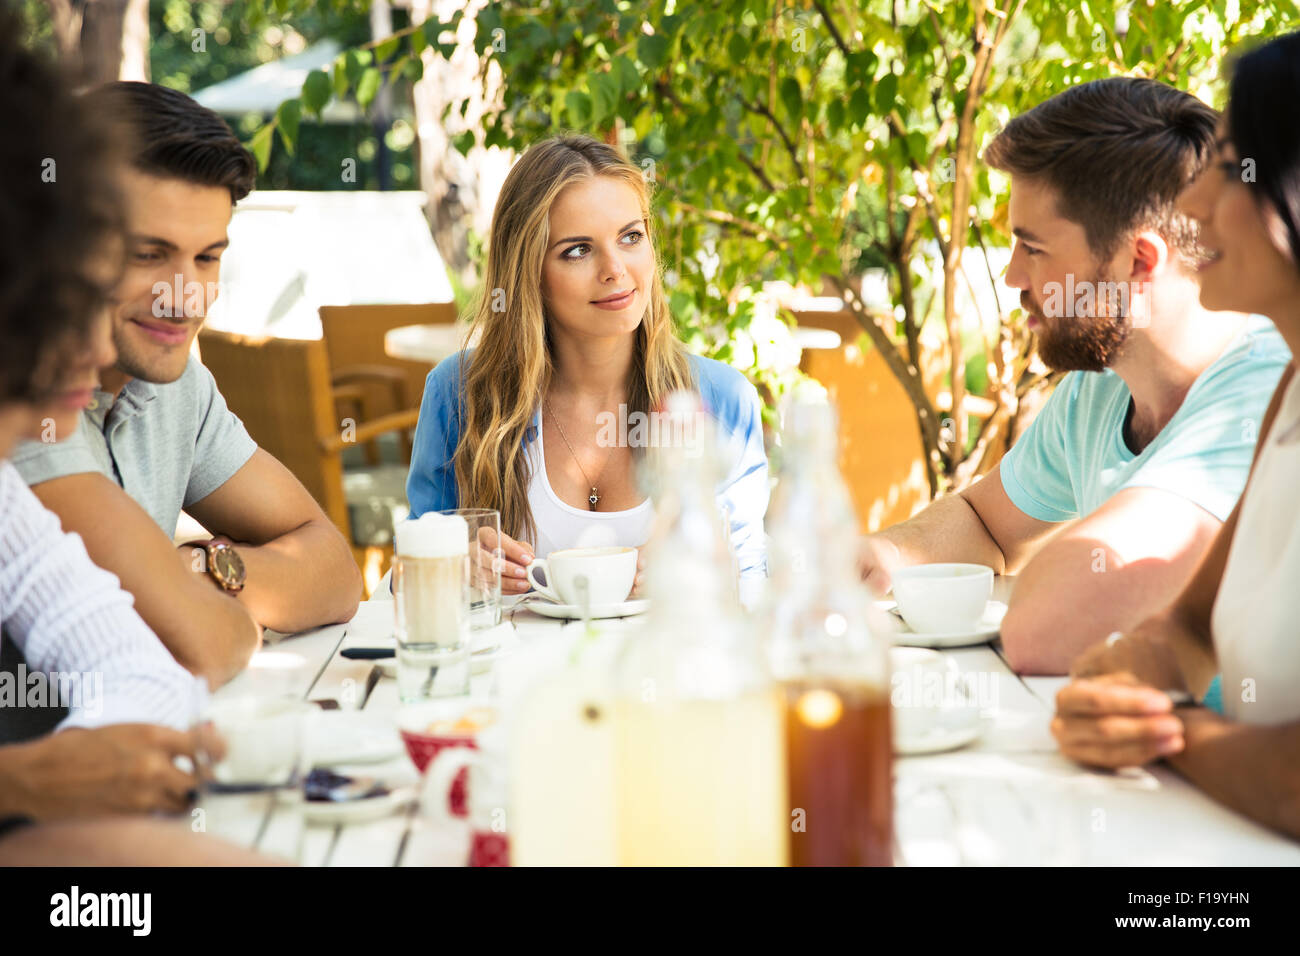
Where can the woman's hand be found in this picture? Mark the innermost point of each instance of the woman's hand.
(639, 582)
(1149, 660)
(1115, 720)
(513, 557)
(123, 768)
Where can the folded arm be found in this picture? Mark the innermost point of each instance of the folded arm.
(208, 632)
(1124, 562)
(300, 569)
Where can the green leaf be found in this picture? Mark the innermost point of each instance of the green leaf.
(792, 97)
(413, 69)
(859, 105)
(340, 77)
(260, 146)
(917, 146)
(368, 86)
(604, 95)
(316, 91)
(578, 107)
(418, 40)
(354, 62)
(835, 115)
(886, 92)
(287, 118)
(384, 52)
(737, 48)
(625, 71)
(652, 50)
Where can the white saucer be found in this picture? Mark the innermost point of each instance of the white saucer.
(354, 811)
(488, 647)
(989, 626)
(571, 612)
(938, 739)
(349, 736)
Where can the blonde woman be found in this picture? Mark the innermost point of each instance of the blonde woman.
(575, 334)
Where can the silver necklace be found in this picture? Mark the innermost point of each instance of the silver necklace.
(593, 499)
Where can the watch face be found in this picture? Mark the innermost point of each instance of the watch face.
(229, 565)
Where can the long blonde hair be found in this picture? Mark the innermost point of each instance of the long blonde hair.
(511, 368)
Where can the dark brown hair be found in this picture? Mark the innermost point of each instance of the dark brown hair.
(59, 213)
(1261, 106)
(174, 137)
(1118, 152)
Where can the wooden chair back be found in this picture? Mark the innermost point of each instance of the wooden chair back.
(280, 389)
(354, 335)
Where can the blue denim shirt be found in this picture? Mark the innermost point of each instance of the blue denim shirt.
(729, 398)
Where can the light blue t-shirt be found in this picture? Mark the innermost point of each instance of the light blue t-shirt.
(1073, 457)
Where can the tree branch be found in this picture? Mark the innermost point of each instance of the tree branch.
(790, 147)
(830, 25)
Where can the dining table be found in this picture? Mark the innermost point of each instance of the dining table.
(1007, 798)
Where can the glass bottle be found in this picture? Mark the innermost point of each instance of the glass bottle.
(700, 775)
(833, 670)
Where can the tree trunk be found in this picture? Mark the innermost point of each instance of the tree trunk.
(461, 190)
(114, 41)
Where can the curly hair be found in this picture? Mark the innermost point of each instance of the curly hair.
(60, 215)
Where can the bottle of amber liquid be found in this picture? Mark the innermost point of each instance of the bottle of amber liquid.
(832, 668)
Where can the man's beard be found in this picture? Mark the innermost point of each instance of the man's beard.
(1081, 343)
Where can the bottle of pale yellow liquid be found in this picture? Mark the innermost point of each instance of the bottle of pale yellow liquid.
(562, 749)
(700, 757)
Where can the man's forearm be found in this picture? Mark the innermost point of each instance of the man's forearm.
(948, 530)
(301, 580)
(221, 647)
(1255, 770)
(14, 798)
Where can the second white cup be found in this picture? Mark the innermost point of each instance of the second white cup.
(610, 574)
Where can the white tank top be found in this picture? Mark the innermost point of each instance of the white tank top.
(560, 525)
(1257, 612)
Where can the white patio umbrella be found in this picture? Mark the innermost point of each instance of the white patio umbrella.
(263, 88)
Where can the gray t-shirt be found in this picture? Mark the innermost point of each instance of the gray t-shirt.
(168, 446)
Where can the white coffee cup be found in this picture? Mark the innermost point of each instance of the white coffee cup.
(610, 574)
(943, 598)
(931, 703)
(263, 739)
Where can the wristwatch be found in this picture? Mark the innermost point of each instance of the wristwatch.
(225, 566)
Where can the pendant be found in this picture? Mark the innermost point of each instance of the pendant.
(593, 498)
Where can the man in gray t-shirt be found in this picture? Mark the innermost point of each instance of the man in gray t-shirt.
(169, 446)
(157, 436)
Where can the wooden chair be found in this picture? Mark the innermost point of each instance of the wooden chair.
(367, 381)
(280, 389)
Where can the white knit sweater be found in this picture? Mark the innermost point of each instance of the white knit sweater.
(77, 628)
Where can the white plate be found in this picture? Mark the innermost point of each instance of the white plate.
(571, 612)
(337, 737)
(353, 811)
(938, 739)
(989, 626)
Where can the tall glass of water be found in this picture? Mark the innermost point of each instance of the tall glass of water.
(431, 605)
(485, 561)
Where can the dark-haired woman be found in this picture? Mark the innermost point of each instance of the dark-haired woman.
(1239, 616)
